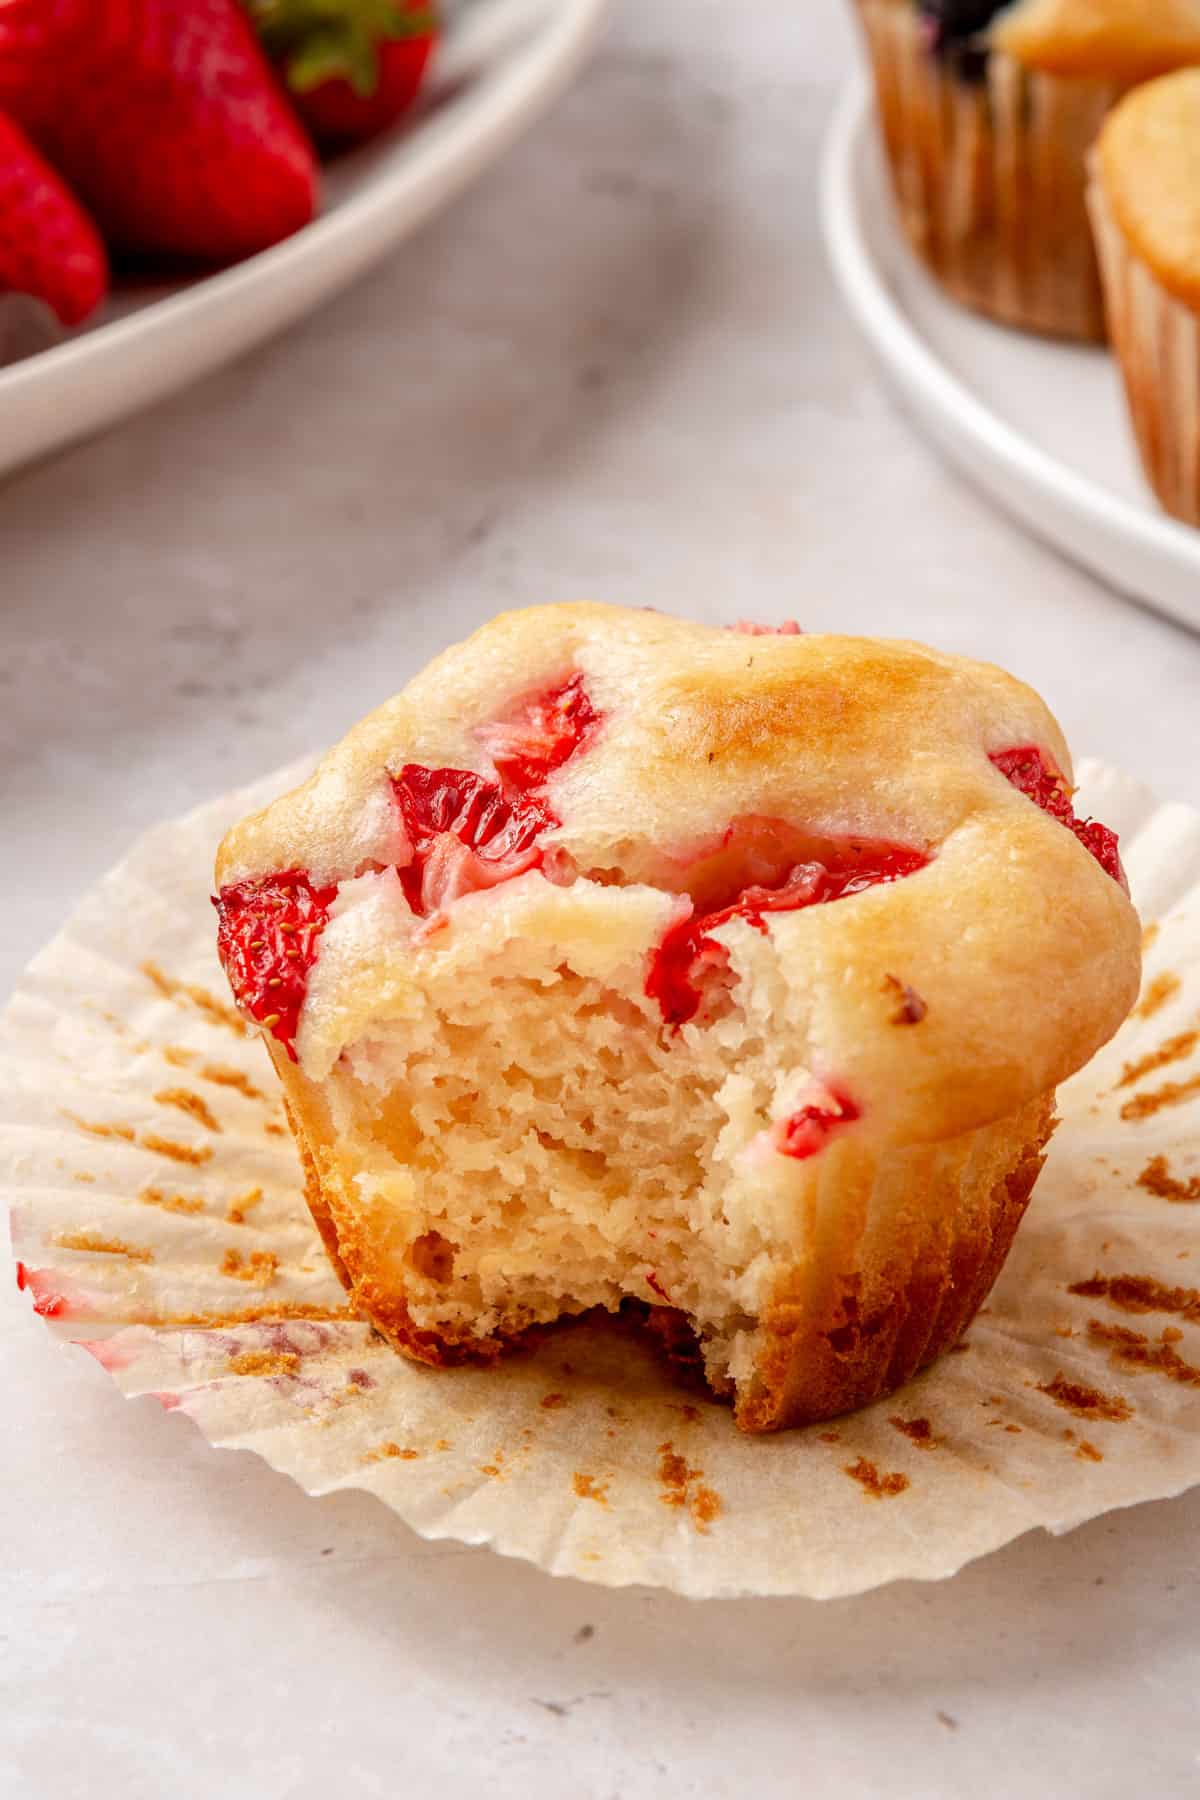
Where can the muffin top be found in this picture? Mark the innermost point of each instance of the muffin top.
(896, 822)
(1106, 40)
(1148, 165)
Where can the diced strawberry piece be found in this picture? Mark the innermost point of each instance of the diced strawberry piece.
(748, 628)
(433, 801)
(806, 1131)
(1029, 770)
(540, 736)
(449, 869)
(688, 950)
(470, 833)
(465, 834)
(268, 939)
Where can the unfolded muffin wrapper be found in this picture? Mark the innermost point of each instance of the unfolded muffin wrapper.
(159, 1222)
(989, 175)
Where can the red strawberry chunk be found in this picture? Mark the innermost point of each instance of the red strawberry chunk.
(470, 833)
(688, 951)
(267, 938)
(540, 736)
(465, 834)
(748, 628)
(806, 1131)
(1036, 776)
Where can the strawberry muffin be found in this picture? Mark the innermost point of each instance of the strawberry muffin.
(621, 960)
(988, 109)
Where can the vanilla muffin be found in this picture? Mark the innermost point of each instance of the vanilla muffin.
(988, 111)
(620, 959)
(1145, 205)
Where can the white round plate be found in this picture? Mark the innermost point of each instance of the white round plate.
(1040, 426)
(501, 63)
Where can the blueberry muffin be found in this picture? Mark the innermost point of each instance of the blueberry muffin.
(988, 110)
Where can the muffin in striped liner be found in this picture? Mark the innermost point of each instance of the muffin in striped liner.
(623, 964)
(159, 1222)
(988, 112)
(1145, 205)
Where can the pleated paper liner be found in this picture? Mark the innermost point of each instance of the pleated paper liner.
(158, 1219)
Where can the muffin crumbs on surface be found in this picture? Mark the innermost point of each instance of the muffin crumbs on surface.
(1156, 1178)
(1159, 989)
(97, 1244)
(1140, 1293)
(1084, 1401)
(195, 1105)
(874, 1485)
(1134, 1350)
(1172, 1093)
(1174, 1049)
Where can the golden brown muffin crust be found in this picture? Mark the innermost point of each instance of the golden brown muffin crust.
(1148, 164)
(1024, 951)
(1105, 40)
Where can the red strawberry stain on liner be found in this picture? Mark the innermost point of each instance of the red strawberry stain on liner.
(111, 1353)
(53, 1298)
(467, 833)
(1034, 775)
(688, 950)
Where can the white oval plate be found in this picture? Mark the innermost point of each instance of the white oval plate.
(501, 63)
(1040, 426)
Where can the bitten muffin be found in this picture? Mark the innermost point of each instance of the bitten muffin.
(620, 959)
(988, 111)
(1145, 205)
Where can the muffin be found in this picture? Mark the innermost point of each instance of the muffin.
(1145, 206)
(988, 111)
(622, 962)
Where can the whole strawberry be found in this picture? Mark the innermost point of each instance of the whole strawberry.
(352, 67)
(165, 118)
(48, 245)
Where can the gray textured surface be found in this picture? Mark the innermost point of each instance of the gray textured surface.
(617, 369)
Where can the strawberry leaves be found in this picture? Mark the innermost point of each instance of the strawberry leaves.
(314, 41)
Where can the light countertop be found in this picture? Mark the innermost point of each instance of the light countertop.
(617, 369)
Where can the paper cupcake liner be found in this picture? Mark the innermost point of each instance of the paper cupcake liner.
(158, 1218)
(990, 175)
(1157, 342)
